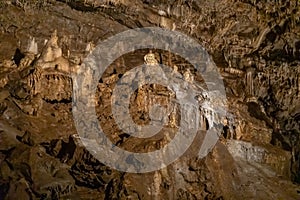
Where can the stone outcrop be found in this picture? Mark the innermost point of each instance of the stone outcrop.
(277, 159)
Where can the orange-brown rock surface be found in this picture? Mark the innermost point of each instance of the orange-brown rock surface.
(256, 47)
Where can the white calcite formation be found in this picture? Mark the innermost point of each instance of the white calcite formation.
(51, 69)
(277, 159)
(32, 46)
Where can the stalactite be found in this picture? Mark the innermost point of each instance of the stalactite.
(249, 81)
(33, 81)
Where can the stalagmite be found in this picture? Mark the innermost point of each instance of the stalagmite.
(32, 46)
(175, 69)
(188, 76)
(90, 47)
(52, 50)
(150, 59)
(157, 179)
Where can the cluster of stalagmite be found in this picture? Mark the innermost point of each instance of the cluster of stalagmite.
(208, 110)
(45, 75)
(51, 76)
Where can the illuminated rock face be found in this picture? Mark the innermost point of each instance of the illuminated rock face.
(275, 158)
(254, 44)
(51, 74)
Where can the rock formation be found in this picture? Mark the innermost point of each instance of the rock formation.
(255, 46)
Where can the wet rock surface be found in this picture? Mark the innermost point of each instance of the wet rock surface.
(256, 47)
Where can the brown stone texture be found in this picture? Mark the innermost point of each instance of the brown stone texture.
(256, 47)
